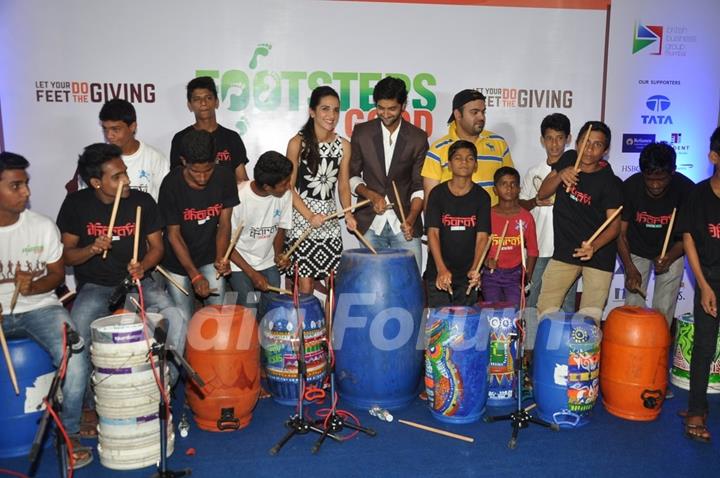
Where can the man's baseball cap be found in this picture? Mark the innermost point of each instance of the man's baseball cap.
(462, 98)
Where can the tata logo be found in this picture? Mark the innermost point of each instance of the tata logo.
(657, 104)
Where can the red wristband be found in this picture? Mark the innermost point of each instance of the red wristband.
(196, 278)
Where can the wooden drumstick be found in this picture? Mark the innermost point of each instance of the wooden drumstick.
(482, 259)
(231, 246)
(668, 234)
(522, 244)
(399, 203)
(8, 360)
(364, 241)
(279, 290)
(113, 214)
(438, 431)
(136, 241)
(170, 279)
(580, 153)
(500, 244)
(604, 225)
(296, 244)
(14, 299)
(66, 296)
(340, 214)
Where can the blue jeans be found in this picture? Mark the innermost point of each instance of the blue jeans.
(531, 315)
(247, 296)
(186, 303)
(92, 303)
(388, 240)
(44, 326)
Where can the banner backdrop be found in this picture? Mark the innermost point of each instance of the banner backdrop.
(62, 60)
(663, 70)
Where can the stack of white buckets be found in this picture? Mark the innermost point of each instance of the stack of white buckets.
(126, 394)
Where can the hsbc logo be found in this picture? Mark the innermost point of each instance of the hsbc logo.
(657, 104)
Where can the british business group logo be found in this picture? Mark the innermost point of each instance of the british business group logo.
(657, 104)
(648, 38)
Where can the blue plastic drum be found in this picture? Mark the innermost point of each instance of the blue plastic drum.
(566, 369)
(278, 331)
(502, 375)
(18, 417)
(456, 361)
(378, 312)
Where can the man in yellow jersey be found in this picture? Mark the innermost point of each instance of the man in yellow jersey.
(467, 122)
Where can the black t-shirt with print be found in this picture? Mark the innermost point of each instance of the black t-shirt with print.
(197, 212)
(459, 219)
(648, 218)
(82, 214)
(230, 148)
(578, 214)
(700, 217)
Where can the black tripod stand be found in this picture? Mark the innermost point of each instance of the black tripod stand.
(298, 424)
(333, 423)
(72, 342)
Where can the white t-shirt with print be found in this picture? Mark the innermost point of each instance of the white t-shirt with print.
(146, 169)
(28, 245)
(261, 218)
(543, 215)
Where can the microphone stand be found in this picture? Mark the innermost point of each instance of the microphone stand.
(298, 424)
(335, 422)
(53, 402)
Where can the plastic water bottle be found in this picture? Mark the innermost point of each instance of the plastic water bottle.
(184, 426)
(381, 413)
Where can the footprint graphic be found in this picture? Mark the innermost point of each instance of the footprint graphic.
(263, 49)
(242, 126)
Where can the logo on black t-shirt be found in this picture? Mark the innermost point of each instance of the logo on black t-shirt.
(223, 155)
(654, 222)
(579, 196)
(96, 229)
(202, 215)
(458, 221)
(714, 230)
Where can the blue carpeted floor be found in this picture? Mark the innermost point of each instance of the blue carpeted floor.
(607, 446)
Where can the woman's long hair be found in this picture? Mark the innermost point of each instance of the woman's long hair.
(310, 152)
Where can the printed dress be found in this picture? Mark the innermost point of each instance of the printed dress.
(319, 254)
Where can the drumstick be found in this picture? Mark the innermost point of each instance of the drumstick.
(522, 244)
(438, 431)
(364, 241)
(14, 299)
(399, 203)
(136, 242)
(668, 233)
(482, 259)
(580, 153)
(279, 290)
(231, 246)
(502, 239)
(67, 296)
(340, 214)
(170, 279)
(302, 237)
(113, 214)
(604, 225)
(8, 360)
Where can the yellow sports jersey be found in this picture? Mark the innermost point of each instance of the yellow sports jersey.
(492, 154)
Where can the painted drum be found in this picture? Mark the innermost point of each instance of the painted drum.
(501, 317)
(633, 377)
(378, 312)
(566, 369)
(682, 354)
(456, 362)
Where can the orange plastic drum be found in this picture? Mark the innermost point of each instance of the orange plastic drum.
(634, 371)
(223, 348)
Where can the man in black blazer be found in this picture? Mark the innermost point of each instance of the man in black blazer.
(384, 150)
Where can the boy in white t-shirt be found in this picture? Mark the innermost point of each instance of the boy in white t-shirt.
(554, 137)
(265, 213)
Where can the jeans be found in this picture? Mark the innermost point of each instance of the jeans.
(186, 303)
(440, 298)
(531, 315)
(703, 351)
(666, 290)
(247, 296)
(388, 240)
(44, 326)
(92, 303)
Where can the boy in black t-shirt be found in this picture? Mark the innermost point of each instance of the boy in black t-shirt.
(458, 223)
(584, 199)
(649, 199)
(83, 221)
(196, 204)
(700, 225)
(202, 101)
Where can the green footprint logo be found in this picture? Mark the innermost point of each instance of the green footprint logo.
(242, 126)
(263, 49)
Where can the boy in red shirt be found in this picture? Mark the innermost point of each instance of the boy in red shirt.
(501, 280)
